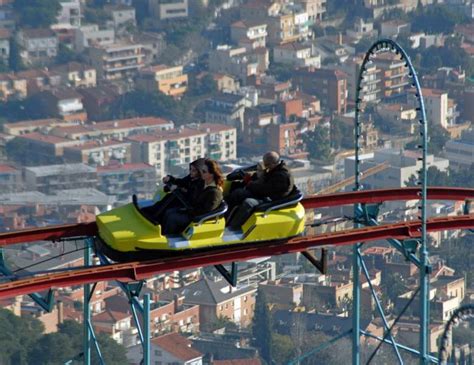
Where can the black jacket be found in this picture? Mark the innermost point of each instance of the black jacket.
(275, 184)
(189, 187)
(209, 199)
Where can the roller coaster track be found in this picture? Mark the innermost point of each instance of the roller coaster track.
(135, 271)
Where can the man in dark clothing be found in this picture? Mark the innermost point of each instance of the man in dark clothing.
(274, 181)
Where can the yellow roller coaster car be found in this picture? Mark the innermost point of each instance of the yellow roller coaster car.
(126, 233)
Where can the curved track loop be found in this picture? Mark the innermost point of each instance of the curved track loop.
(141, 270)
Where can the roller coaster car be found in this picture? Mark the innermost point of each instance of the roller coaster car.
(128, 233)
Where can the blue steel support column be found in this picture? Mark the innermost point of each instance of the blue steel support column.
(424, 270)
(87, 310)
(146, 329)
(355, 248)
(382, 46)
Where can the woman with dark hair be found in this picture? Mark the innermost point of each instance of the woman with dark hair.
(176, 220)
(188, 188)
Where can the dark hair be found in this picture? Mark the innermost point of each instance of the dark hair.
(198, 165)
(215, 170)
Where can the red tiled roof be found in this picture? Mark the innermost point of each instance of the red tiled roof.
(125, 166)
(111, 316)
(238, 362)
(129, 123)
(7, 168)
(43, 138)
(96, 144)
(166, 135)
(4, 33)
(212, 127)
(177, 345)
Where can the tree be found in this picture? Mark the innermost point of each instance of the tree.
(14, 59)
(65, 54)
(52, 349)
(283, 348)
(37, 13)
(17, 335)
(262, 328)
(318, 144)
(342, 134)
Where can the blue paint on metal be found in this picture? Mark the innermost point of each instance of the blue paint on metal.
(383, 45)
(146, 329)
(379, 307)
(46, 302)
(319, 348)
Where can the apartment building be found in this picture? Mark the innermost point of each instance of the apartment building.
(69, 15)
(296, 55)
(314, 8)
(436, 106)
(330, 86)
(216, 298)
(371, 84)
(220, 141)
(249, 34)
(38, 46)
(117, 60)
(235, 61)
(10, 179)
(168, 9)
(226, 109)
(76, 75)
(169, 80)
(402, 165)
(124, 180)
(51, 178)
(99, 152)
(5, 35)
(171, 348)
(123, 17)
(12, 87)
(394, 75)
(29, 126)
(42, 149)
(168, 149)
(91, 35)
(282, 29)
(460, 152)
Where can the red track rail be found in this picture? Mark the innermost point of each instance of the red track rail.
(55, 233)
(142, 270)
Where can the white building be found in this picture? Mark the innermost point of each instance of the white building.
(69, 15)
(460, 152)
(171, 348)
(118, 60)
(168, 150)
(297, 55)
(168, 9)
(91, 35)
(436, 105)
(402, 165)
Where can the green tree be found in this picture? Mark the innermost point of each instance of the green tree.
(318, 144)
(283, 348)
(65, 54)
(52, 349)
(262, 328)
(342, 134)
(14, 60)
(17, 336)
(37, 13)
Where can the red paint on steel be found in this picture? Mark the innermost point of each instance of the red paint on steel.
(142, 270)
(317, 201)
(52, 233)
(382, 195)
